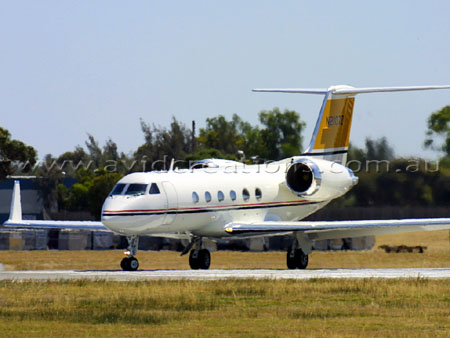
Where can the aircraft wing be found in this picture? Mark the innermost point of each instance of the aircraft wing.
(319, 230)
(68, 225)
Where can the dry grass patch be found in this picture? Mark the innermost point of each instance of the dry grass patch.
(437, 255)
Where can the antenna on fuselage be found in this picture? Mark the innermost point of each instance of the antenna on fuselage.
(172, 163)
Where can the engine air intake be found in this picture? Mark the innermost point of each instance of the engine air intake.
(303, 177)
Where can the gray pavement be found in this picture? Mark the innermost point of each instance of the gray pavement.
(441, 273)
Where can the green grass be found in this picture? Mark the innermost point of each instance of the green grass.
(286, 308)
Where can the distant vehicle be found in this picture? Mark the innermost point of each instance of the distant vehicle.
(222, 199)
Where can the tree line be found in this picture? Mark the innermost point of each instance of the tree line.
(384, 178)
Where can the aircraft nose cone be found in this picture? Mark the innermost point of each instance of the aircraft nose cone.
(110, 211)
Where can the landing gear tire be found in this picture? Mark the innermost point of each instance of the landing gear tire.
(302, 261)
(200, 261)
(297, 261)
(291, 263)
(124, 264)
(129, 264)
(193, 261)
(204, 259)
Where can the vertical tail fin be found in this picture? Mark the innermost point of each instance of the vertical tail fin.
(15, 213)
(331, 135)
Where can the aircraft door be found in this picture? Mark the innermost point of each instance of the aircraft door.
(171, 202)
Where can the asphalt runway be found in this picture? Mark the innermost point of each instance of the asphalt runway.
(441, 273)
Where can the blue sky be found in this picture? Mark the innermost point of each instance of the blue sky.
(68, 68)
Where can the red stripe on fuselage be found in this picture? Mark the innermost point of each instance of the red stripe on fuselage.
(209, 208)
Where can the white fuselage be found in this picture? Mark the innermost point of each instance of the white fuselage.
(202, 202)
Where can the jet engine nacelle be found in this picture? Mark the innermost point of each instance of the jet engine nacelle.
(319, 179)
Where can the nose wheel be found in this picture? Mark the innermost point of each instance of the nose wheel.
(129, 264)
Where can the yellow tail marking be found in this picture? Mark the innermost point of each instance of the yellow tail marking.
(334, 131)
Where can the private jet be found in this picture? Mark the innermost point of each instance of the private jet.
(222, 199)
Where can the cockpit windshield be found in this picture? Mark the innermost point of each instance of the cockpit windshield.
(136, 189)
(118, 189)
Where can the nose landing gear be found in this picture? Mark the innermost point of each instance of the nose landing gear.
(131, 263)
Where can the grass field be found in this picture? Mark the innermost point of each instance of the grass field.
(266, 308)
(386, 308)
(437, 255)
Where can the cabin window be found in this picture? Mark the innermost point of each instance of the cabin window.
(245, 195)
(136, 189)
(195, 198)
(258, 193)
(207, 196)
(154, 190)
(118, 189)
(220, 196)
(233, 195)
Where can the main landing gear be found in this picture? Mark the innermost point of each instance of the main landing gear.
(130, 263)
(198, 258)
(296, 259)
(297, 255)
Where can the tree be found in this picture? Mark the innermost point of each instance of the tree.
(95, 152)
(379, 149)
(110, 152)
(279, 137)
(355, 153)
(162, 144)
(90, 191)
(76, 198)
(252, 144)
(96, 158)
(281, 133)
(14, 155)
(222, 135)
(439, 125)
(376, 155)
(70, 161)
(76, 156)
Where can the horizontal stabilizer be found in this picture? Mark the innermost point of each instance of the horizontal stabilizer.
(348, 90)
(293, 90)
